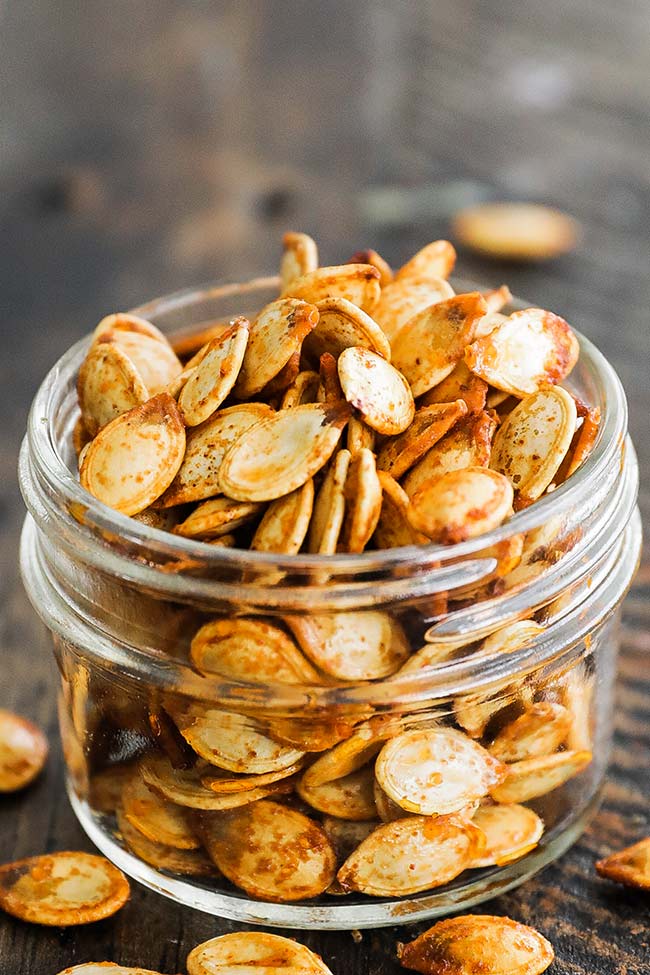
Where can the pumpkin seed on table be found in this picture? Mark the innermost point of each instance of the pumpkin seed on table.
(531, 443)
(357, 283)
(352, 646)
(461, 504)
(371, 257)
(299, 256)
(377, 390)
(214, 375)
(436, 770)
(245, 952)
(410, 855)
(630, 866)
(270, 851)
(515, 231)
(430, 344)
(541, 730)
(107, 386)
(230, 741)
(342, 325)
(429, 424)
(217, 517)
(474, 944)
(134, 458)
(156, 818)
(532, 348)
(185, 786)
(401, 300)
(192, 862)
(250, 650)
(23, 751)
(363, 499)
(62, 889)
(534, 777)
(274, 337)
(329, 507)
(281, 452)
(468, 444)
(511, 831)
(207, 444)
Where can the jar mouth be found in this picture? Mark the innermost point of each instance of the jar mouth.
(68, 498)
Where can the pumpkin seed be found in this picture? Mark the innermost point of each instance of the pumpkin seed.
(329, 507)
(436, 770)
(436, 260)
(412, 854)
(350, 797)
(515, 231)
(376, 389)
(206, 446)
(62, 889)
(511, 831)
(285, 522)
(155, 361)
(274, 337)
(135, 457)
(401, 300)
(304, 389)
(461, 504)
(541, 730)
(429, 345)
(217, 517)
(363, 498)
(468, 444)
(429, 424)
(185, 786)
(193, 863)
(229, 740)
(245, 952)
(357, 283)
(530, 445)
(530, 349)
(108, 385)
(630, 866)
(281, 452)
(23, 751)
(270, 851)
(352, 646)
(249, 650)
(299, 256)
(459, 384)
(534, 777)
(214, 376)
(156, 818)
(377, 261)
(477, 943)
(342, 325)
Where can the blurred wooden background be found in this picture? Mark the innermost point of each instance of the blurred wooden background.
(149, 146)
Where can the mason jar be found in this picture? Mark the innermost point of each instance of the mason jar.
(202, 786)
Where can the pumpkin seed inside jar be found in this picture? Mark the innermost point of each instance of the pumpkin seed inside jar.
(357, 414)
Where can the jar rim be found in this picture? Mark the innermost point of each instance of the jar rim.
(69, 496)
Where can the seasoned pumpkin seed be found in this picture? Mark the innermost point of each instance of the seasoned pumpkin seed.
(376, 389)
(461, 504)
(23, 751)
(246, 952)
(214, 376)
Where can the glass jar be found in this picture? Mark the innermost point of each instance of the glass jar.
(123, 601)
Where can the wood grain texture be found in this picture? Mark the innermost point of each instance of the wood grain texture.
(148, 146)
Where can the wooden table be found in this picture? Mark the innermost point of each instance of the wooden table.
(150, 146)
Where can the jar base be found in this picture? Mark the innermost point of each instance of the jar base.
(334, 916)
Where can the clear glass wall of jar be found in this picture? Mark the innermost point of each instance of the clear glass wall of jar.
(123, 602)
